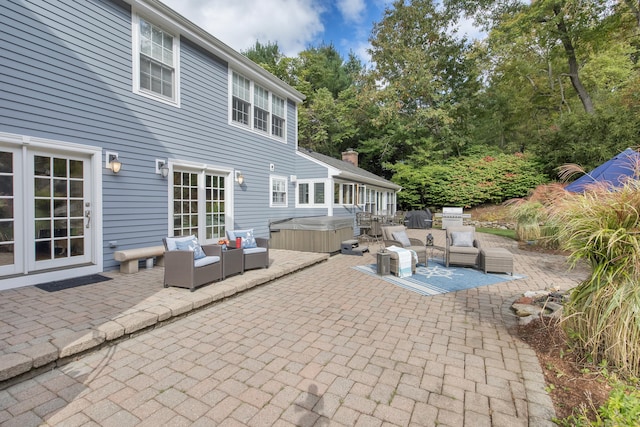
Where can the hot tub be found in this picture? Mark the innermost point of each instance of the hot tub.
(311, 234)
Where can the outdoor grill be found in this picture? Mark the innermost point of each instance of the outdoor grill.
(452, 217)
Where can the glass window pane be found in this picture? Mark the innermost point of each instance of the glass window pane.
(59, 208)
(76, 169)
(43, 208)
(6, 185)
(60, 167)
(60, 188)
(77, 227)
(43, 250)
(6, 162)
(77, 247)
(6, 231)
(6, 254)
(42, 166)
(76, 189)
(6, 208)
(43, 229)
(60, 248)
(75, 208)
(60, 228)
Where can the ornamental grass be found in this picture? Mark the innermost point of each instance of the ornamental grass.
(602, 227)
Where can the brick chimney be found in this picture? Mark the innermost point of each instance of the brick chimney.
(350, 156)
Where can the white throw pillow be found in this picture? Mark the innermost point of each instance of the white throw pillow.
(462, 238)
(401, 236)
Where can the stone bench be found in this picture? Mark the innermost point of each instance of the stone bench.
(129, 258)
(496, 260)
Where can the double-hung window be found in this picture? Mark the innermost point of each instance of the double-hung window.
(277, 116)
(156, 54)
(241, 100)
(261, 109)
(256, 108)
(278, 191)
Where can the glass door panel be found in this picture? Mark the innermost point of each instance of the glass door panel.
(7, 213)
(199, 205)
(60, 220)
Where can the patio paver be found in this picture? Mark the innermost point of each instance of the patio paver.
(318, 344)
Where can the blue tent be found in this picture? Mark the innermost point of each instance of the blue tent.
(613, 172)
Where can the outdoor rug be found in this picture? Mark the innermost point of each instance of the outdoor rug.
(59, 285)
(438, 279)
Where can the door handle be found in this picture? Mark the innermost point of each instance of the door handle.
(87, 215)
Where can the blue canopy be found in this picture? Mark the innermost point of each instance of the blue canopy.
(613, 172)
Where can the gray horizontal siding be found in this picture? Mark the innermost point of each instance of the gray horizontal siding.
(67, 74)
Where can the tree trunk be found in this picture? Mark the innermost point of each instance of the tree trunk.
(573, 63)
(635, 9)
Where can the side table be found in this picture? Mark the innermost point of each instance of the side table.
(432, 249)
(232, 262)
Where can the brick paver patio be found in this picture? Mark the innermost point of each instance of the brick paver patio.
(321, 345)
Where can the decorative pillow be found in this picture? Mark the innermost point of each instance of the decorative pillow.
(171, 241)
(248, 240)
(401, 236)
(462, 238)
(193, 246)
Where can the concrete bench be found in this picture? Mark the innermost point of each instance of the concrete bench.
(129, 258)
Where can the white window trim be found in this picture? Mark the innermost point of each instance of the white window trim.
(135, 51)
(311, 183)
(251, 127)
(200, 169)
(273, 178)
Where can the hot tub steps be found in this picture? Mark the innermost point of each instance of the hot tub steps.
(352, 247)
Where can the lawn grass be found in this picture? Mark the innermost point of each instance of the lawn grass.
(511, 234)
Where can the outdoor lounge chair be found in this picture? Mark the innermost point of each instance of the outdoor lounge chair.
(462, 247)
(255, 249)
(182, 269)
(396, 235)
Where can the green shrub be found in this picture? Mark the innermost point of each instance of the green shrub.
(467, 181)
(621, 409)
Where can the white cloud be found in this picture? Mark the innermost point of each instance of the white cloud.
(352, 10)
(293, 24)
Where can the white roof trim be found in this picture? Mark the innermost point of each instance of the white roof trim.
(352, 177)
(169, 18)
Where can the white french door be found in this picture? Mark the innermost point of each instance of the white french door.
(45, 210)
(199, 203)
(59, 210)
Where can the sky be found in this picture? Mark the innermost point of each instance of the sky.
(293, 24)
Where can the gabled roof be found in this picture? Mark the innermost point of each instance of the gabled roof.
(171, 19)
(348, 171)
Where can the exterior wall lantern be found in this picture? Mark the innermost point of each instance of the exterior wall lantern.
(239, 178)
(162, 168)
(113, 162)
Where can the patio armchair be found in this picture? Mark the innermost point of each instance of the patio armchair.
(462, 247)
(255, 249)
(189, 265)
(396, 235)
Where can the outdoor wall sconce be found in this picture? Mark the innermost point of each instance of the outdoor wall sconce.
(113, 162)
(239, 178)
(162, 168)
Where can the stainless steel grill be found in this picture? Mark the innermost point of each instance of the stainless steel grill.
(452, 217)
